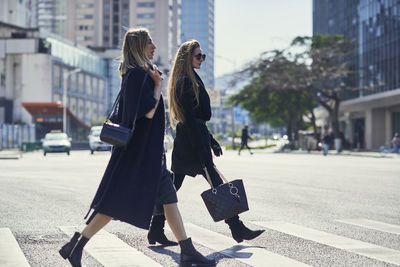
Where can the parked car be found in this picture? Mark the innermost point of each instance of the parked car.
(56, 142)
(95, 143)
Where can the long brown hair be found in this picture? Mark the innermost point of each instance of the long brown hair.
(134, 49)
(181, 69)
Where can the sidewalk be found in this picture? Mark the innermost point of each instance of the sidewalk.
(10, 154)
(369, 154)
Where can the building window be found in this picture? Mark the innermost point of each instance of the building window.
(81, 82)
(72, 104)
(146, 16)
(72, 85)
(101, 88)
(88, 85)
(115, 41)
(88, 110)
(57, 76)
(84, 5)
(84, 16)
(94, 86)
(80, 108)
(145, 4)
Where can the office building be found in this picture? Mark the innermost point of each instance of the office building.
(371, 116)
(197, 22)
(38, 70)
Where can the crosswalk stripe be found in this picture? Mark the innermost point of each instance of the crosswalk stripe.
(246, 253)
(111, 251)
(375, 225)
(355, 246)
(10, 252)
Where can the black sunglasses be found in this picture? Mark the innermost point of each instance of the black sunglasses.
(200, 56)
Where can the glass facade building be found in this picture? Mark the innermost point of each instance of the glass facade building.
(197, 22)
(369, 116)
(374, 26)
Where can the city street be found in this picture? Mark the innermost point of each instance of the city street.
(338, 210)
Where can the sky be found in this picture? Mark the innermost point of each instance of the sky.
(246, 28)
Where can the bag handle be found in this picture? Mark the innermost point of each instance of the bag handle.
(209, 178)
(119, 96)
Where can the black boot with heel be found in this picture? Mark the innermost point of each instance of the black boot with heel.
(73, 249)
(240, 232)
(191, 257)
(156, 232)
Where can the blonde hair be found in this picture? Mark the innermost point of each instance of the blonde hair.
(181, 69)
(134, 49)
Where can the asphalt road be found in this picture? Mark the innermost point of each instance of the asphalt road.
(318, 211)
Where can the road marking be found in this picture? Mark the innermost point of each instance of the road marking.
(10, 252)
(111, 251)
(247, 253)
(355, 246)
(375, 225)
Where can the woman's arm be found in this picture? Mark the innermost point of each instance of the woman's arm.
(155, 75)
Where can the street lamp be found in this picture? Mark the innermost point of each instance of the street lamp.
(65, 97)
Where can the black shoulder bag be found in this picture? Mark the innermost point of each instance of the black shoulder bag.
(116, 134)
(226, 200)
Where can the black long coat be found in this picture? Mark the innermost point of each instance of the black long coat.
(128, 189)
(192, 141)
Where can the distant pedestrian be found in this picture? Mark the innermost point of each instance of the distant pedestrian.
(136, 179)
(396, 143)
(245, 138)
(326, 140)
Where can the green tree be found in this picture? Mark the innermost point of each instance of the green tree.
(273, 95)
(330, 74)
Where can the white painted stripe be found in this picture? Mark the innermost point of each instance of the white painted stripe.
(111, 251)
(375, 225)
(247, 253)
(355, 246)
(10, 252)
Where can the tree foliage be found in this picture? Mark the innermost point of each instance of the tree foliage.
(286, 86)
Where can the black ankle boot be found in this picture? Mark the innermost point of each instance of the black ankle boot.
(73, 249)
(240, 231)
(191, 257)
(156, 232)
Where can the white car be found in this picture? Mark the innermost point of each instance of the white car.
(56, 142)
(95, 143)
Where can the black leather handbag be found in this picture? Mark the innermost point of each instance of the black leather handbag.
(226, 200)
(116, 134)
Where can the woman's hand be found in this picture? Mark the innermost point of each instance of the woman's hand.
(216, 148)
(155, 75)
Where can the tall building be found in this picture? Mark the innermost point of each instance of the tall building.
(197, 22)
(39, 71)
(161, 17)
(19, 13)
(52, 16)
(371, 117)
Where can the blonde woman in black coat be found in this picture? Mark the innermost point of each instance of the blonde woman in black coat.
(136, 178)
(189, 106)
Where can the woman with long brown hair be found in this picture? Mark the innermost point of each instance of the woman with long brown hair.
(136, 178)
(189, 106)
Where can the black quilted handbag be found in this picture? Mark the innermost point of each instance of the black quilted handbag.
(116, 134)
(226, 200)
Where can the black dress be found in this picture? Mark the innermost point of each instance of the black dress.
(128, 189)
(192, 144)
